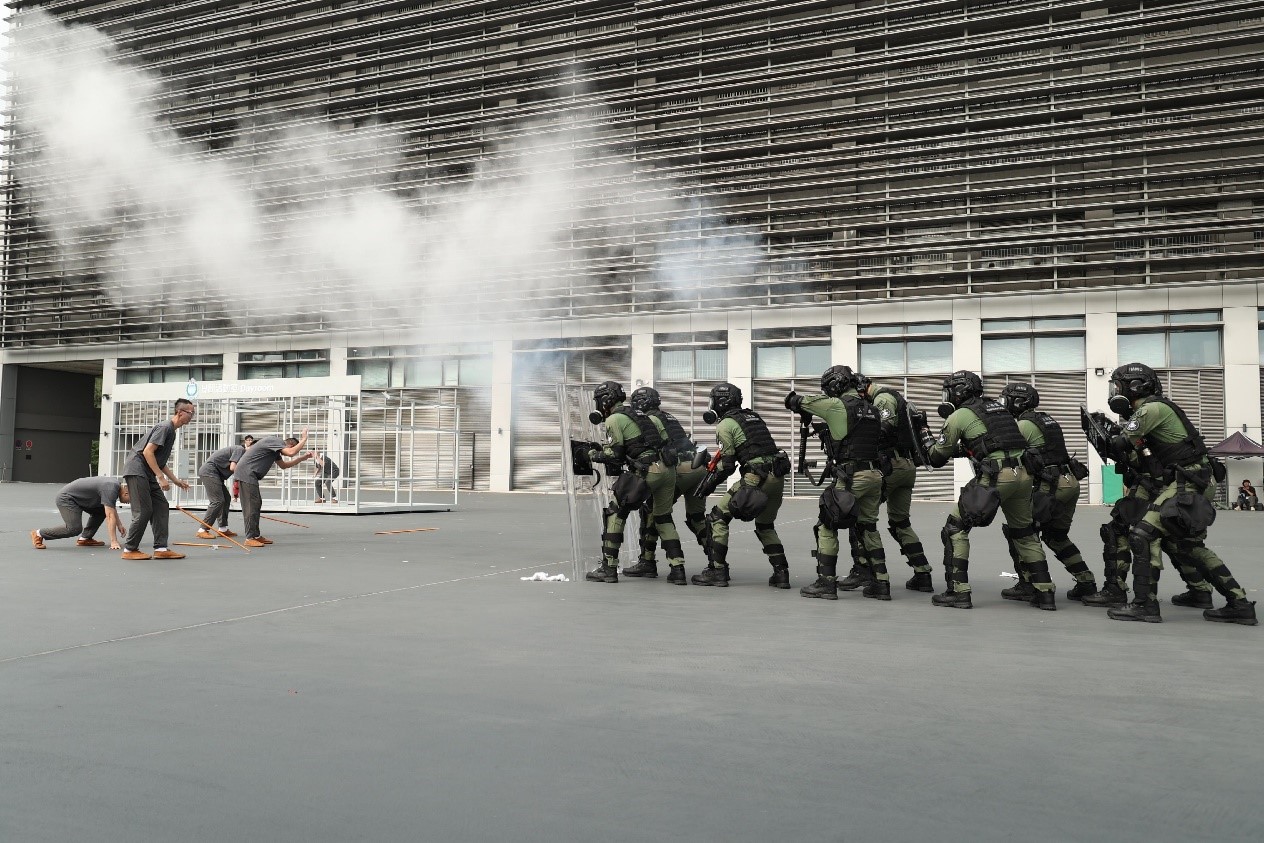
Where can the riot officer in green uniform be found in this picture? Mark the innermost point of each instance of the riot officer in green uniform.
(855, 491)
(896, 445)
(746, 445)
(983, 430)
(1172, 452)
(644, 469)
(688, 475)
(1055, 492)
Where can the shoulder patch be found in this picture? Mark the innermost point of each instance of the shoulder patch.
(1133, 424)
(943, 439)
(886, 414)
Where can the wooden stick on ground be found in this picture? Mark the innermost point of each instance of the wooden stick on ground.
(192, 544)
(283, 521)
(211, 529)
(394, 532)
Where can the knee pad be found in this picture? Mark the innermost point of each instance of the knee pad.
(718, 514)
(863, 527)
(1139, 538)
(900, 525)
(951, 528)
(1051, 535)
(1108, 534)
(1019, 532)
(665, 518)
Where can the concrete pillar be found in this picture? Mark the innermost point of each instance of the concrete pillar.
(8, 416)
(642, 358)
(1242, 381)
(740, 356)
(105, 445)
(967, 353)
(1101, 347)
(501, 415)
(337, 362)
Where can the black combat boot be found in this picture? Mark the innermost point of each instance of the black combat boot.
(1193, 599)
(1019, 591)
(825, 588)
(607, 571)
(780, 576)
(1044, 600)
(647, 568)
(1237, 610)
(1113, 594)
(878, 590)
(1081, 590)
(858, 576)
(1147, 611)
(716, 574)
(953, 599)
(676, 576)
(920, 581)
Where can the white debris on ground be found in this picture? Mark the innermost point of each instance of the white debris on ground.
(540, 576)
(1008, 574)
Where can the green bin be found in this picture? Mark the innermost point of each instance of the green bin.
(1112, 485)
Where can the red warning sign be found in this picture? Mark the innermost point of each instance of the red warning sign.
(29, 444)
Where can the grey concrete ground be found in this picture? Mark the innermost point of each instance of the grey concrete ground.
(343, 686)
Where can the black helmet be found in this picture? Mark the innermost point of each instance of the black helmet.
(1018, 398)
(863, 383)
(837, 379)
(607, 395)
(644, 399)
(959, 387)
(725, 397)
(1131, 382)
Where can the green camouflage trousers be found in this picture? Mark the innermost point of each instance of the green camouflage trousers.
(1117, 554)
(1056, 532)
(662, 483)
(765, 528)
(866, 485)
(1014, 487)
(687, 479)
(899, 491)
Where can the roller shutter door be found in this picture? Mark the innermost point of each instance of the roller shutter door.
(537, 457)
(687, 401)
(431, 456)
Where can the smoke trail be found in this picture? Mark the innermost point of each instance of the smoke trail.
(319, 224)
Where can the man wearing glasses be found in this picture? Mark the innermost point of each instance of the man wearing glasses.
(147, 476)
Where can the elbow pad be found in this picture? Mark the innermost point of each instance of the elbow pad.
(937, 459)
(727, 465)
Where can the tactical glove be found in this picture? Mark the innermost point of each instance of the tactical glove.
(794, 401)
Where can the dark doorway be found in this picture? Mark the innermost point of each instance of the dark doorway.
(57, 421)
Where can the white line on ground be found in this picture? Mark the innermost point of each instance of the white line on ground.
(204, 624)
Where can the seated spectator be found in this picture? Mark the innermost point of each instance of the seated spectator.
(1247, 498)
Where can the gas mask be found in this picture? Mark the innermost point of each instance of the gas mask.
(710, 416)
(1119, 403)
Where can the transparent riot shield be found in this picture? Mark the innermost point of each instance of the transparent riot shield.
(587, 492)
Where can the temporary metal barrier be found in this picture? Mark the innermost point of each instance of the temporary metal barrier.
(394, 454)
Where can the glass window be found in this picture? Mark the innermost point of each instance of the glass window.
(251, 373)
(930, 328)
(811, 360)
(1194, 348)
(882, 358)
(1261, 343)
(427, 371)
(374, 374)
(1007, 355)
(1143, 348)
(451, 372)
(1059, 354)
(1058, 323)
(1127, 319)
(675, 364)
(774, 361)
(881, 330)
(314, 370)
(1194, 317)
(476, 371)
(929, 356)
(711, 364)
(1006, 325)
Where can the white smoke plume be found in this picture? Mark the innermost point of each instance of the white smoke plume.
(319, 225)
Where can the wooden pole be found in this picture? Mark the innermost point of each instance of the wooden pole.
(211, 529)
(396, 532)
(283, 521)
(192, 544)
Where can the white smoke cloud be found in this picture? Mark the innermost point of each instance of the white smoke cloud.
(312, 222)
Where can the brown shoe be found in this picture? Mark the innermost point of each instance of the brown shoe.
(89, 543)
(205, 534)
(227, 532)
(167, 554)
(319, 500)
(135, 555)
(262, 539)
(254, 543)
(37, 540)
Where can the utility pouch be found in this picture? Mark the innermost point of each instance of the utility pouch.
(1128, 511)
(885, 464)
(1218, 470)
(1078, 469)
(1186, 514)
(978, 504)
(838, 509)
(630, 491)
(1042, 502)
(1033, 463)
(748, 503)
(670, 457)
(781, 464)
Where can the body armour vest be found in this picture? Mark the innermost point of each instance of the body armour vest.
(645, 444)
(1002, 428)
(1188, 450)
(1054, 451)
(901, 438)
(758, 440)
(864, 428)
(680, 441)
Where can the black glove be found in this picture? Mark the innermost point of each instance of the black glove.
(794, 401)
(928, 439)
(1120, 444)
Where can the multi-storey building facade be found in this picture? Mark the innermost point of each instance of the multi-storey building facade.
(1036, 190)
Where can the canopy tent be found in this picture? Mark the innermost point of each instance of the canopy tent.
(1238, 446)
